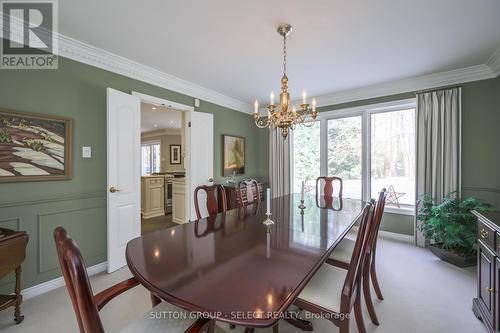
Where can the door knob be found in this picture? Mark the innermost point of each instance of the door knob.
(210, 180)
(113, 189)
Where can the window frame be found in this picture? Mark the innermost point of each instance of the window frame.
(149, 144)
(365, 112)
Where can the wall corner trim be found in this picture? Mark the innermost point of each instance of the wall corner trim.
(47, 286)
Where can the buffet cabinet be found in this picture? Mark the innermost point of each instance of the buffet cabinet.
(486, 305)
(233, 195)
(152, 196)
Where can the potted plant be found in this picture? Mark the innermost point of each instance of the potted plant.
(451, 228)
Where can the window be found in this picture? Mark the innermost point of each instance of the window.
(306, 156)
(345, 154)
(393, 154)
(150, 158)
(369, 147)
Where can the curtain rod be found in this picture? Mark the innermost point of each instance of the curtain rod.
(438, 88)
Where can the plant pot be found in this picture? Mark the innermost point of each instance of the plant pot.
(452, 258)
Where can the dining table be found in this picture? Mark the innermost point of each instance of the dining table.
(232, 268)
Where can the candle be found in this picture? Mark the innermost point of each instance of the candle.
(302, 191)
(272, 97)
(268, 195)
(304, 95)
(256, 107)
(314, 104)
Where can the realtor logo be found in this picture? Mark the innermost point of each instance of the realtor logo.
(29, 35)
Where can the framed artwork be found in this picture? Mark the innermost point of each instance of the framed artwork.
(233, 155)
(175, 154)
(34, 147)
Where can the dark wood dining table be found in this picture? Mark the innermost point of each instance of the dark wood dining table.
(232, 269)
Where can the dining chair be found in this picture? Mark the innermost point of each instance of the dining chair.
(248, 192)
(87, 305)
(211, 200)
(342, 256)
(328, 186)
(329, 202)
(322, 294)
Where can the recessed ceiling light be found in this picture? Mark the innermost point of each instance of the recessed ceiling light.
(155, 125)
(171, 121)
(153, 108)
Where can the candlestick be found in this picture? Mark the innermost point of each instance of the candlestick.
(302, 191)
(272, 97)
(268, 201)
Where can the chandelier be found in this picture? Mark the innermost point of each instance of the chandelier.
(287, 117)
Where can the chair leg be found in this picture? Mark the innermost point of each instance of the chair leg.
(249, 330)
(18, 318)
(368, 298)
(276, 328)
(358, 314)
(344, 326)
(374, 279)
(211, 327)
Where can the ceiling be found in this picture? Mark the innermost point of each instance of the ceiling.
(232, 47)
(159, 118)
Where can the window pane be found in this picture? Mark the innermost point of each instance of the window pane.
(156, 158)
(306, 156)
(344, 153)
(393, 154)
(145, 160)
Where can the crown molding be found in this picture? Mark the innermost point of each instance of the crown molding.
(413, 84)
(90, 55)
(494, 62)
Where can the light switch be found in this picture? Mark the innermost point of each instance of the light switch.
(196, 102)
(86, 152)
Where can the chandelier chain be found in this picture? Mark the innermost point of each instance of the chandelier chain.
(284, 55)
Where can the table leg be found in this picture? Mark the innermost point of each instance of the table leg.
(249, 330)
(299, 323)
(18, 318)
(155, 300)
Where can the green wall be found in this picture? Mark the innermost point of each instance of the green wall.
(79, 91)
(480, 145)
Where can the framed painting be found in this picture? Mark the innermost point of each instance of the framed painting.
(175, 154)
(233, 155)
(34, 147)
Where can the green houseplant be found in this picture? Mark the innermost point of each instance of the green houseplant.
(451, 228)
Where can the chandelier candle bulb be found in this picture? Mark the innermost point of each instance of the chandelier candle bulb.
(304, 96)
(256, 107)
(314, 104)
(302, 191)
(272, 98)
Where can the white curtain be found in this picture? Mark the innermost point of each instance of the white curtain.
(438, 150)
(279, 163)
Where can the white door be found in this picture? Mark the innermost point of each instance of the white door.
(200, 140)
(123, 174)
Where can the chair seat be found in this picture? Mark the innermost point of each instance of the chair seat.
(325, 288)
(164, 318)
(343, 251)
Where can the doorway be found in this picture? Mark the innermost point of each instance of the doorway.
(125, 166)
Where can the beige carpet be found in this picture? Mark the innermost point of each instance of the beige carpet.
(422, 294)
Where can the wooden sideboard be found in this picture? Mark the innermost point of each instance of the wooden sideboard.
(487, 304)
(12, 254)
(232, 195)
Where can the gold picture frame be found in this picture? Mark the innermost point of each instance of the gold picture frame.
(233, 155)
(34, 147)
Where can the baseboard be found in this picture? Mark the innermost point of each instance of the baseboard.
(397, 236)
(45, 287)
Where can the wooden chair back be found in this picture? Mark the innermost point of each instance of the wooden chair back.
(328, 186)
(211, 202)
(377, 218)
(77, 282)
(355, 271)
(248, 192)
